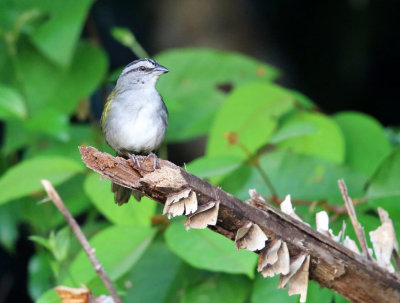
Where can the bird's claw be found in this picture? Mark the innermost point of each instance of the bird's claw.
(156, 163)
(135, 160)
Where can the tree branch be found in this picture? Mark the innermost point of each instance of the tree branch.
(89, 250)
(332, 265)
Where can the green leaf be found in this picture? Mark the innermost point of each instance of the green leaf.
(340, 299)
(266, 290)
(12, 104)
(57, 243)
(194, 89)
(218, 289)
(24, 178)
(42, 241)
(50, 86)
(249, 115)
(292, 130)
(386, 180)
(9, 218)
(51, 122)
(317, 293)
(73, 193)
(78, 134)
(118, 248)
(206, 249)
(49, 296)
(304, 177)
(40, 276)
(16, 136)
(158, 266)
(393, 134)
(62, 241)
(206, 167)
(132, 213)
(87, 70)
(301, 99)
(391, 204)
(326, 142)
(57, 37)
(125, 37)
(365, 139)
(40, 78)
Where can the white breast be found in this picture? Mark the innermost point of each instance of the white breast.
(135, 122)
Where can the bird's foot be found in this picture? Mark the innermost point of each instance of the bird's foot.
(135, 160)
(156, 163)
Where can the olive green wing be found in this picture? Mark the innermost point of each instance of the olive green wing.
(107, 107)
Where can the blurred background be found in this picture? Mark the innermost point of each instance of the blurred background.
(309, 90)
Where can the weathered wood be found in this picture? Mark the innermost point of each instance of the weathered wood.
(332, 265)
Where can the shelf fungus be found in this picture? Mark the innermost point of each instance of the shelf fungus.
(80, 295)
(68, 294)
(274, 258)
(178, 204)
(322, 222)
(298, 283)
(351, 244)
(250, 237)
(206, 214)
(297, 276)
(384, 241)
(287, 207)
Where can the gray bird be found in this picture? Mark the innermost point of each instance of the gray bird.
(135, 119)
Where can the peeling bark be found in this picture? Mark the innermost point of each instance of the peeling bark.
(331, 264)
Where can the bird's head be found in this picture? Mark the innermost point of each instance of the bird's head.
(140, 73)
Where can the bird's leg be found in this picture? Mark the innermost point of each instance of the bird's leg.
(135, 160)
(156, 164)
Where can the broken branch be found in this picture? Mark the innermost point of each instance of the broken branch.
(353, 218)
(331, 264)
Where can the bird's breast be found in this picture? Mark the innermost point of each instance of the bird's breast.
(135, 123)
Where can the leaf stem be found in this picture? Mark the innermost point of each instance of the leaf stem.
(254, 161)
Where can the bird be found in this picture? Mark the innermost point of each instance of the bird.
(135, 118)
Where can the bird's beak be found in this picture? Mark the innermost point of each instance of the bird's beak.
(161, 69)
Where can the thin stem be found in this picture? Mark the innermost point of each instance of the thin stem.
(257, 165)
(89, 250)
(266, 180)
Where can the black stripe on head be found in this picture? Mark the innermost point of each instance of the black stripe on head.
(150, 63)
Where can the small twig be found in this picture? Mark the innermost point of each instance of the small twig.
(90, 251)
(353, 217)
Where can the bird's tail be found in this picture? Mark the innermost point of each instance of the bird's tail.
(122, 194)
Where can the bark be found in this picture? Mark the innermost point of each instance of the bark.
(331, 265)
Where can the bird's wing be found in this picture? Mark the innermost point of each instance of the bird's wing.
(107, 107)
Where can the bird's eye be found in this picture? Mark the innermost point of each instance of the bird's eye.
(142, 68)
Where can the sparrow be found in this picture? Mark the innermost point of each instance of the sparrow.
(135, 118)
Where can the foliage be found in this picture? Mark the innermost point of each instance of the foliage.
(253, 126)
